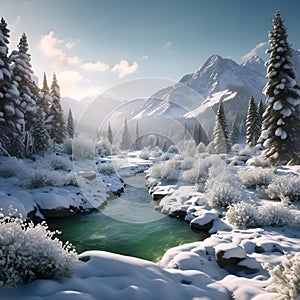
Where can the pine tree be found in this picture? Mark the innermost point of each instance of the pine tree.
(250, 123)
(70, 125)
(56, 125)
(234, 133)
(219, 141)
(197, 133)
(137, 143)
(11, 118)
(223, 123)
(280, 129)
(109, 134)
(45, 99)
(125, 139)
(259, 120)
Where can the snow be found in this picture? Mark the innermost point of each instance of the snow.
(277, 105)
(286, 112)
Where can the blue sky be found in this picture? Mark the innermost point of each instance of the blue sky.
(93, 45)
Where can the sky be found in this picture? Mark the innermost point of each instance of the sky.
(94, 45)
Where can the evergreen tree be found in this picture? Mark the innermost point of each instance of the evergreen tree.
(70, 125)
(259, 120)
(234, 133)
(223, 123)
(11, 118)
(22, 73)
(125, 139)
(45, 99)
(219, 141)
(109, 134)
(250, 123)
(56, 125)
(197, 133)
(280, 129)
(137, 143)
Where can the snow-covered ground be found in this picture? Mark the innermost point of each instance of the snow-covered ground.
(230, 264)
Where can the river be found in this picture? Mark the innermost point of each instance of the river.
(146, 237)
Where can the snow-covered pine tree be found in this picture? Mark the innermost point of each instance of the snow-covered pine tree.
(109, 134)
(223, 122)
(280, 130)
(234, 133)
(125, 139)
(45, 99)
(219, 141)
(137, 142)
(11, 118)
(259, 120)
(56, 124)
(250, 123)
(70, 124)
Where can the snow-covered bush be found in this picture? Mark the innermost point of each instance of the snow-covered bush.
(67, 146)
(258, 161)
(201, 148)
(249, 151)
(53, 162)
(103, 147)
(284, 188)
(190, 176)
(236, 148)
(243, 215)
(71, 179)
(83, 148)
(106, 168)
(286, 277)
(277, 215)
(223, 187)
(31, 252)
(42, 177)
(187, 163)
(189, 148)
(256, 177)
(12, 166)
(167, 170)
(145, 154)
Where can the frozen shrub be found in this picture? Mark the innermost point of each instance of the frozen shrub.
(201, 148)
(243, 215)
(71, 179)
(222, 186)
(42, 177)
(12, 166)
(190, 176)
(67, 146)
(189, 148)
(187, 163)
(284, 188)
(145, 154)
(165, 170)
(277, 215)
(257, 177)
(106, 168)
(83, 148)
(236, 148)
(53, 162)
(31, 252)
(286, 277)
(103, 147)
(258, 161)
(247, 151)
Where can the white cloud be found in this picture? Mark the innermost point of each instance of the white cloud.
(253, 51)
(97, 66)
(168, 45)
(145, 57)
(48, 46)
(124, 69)
(68, 81)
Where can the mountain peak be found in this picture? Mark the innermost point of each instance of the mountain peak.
(256, 64)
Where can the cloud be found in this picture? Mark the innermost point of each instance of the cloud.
(124, 69)
(145, 57)
(253, 51)
(168, 45)
(48, 46)
(97, 66)
(68, 81)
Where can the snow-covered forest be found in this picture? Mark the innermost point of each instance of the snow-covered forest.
(229, 172)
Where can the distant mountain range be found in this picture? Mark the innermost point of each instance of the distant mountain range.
(197, 95)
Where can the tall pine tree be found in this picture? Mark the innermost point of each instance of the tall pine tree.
(221, 121)
(109, 134)
(125, 139)
(55, 123)
(219, 141)
(70, 125)
(259, 120)
(250, 123)
(280, 130)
